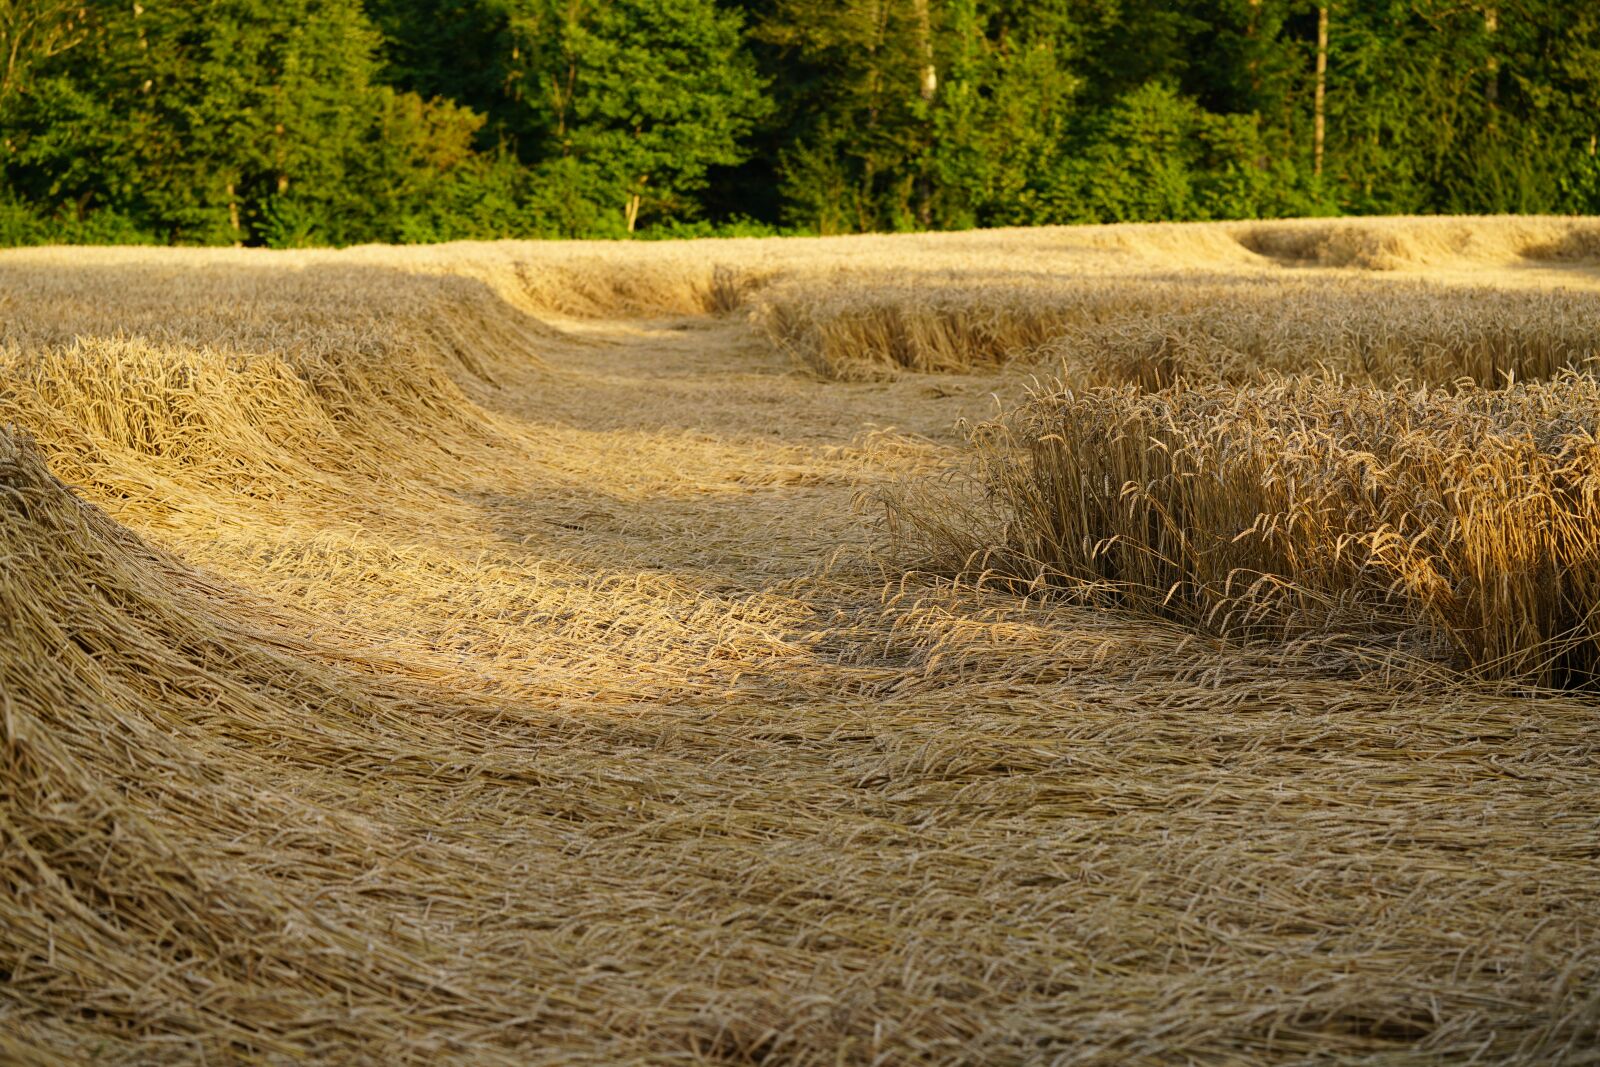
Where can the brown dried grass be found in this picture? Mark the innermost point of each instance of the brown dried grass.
(440, 656)
(1153, 329)
(1211, 299)
(1470, 517)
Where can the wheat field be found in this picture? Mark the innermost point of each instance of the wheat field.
(1114, 645)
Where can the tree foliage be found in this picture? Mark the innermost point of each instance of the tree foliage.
(326, 121)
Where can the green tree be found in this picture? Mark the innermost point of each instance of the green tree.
(308, 121)
(857, 106)
(224, 121)
(31, 32)
(662, 91)
(1001, 119)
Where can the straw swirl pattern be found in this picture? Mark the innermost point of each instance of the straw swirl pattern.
(1126, 645)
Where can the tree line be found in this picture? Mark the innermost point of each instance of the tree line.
(300, 122)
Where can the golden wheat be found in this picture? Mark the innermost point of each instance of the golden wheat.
(968, 303)
(469, 654)
(1305, 505)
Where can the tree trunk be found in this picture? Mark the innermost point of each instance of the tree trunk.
(279, 149)
(928, 76)
(233, 217)
(1491, 25)
(1253, 63)
(927, 85)
(631, 212)
(13, 55)
(880, 18)
(1319, 130)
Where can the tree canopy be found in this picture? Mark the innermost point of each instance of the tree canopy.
(335, 121)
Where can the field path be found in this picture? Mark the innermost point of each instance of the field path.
(752, 465)
(846, 823)
(586, 727)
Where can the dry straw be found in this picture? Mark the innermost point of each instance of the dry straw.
(1125, 304)
(1305, 505)
(470, 655)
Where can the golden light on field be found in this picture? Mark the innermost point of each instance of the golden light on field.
(1106, 645)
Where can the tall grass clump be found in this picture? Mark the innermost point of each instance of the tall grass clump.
(1469, 519)
(1402, 242)
(1366, 332)
(1152, 329)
